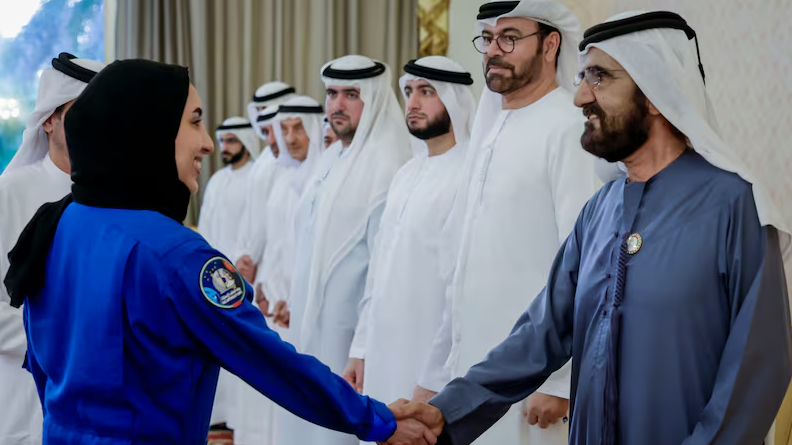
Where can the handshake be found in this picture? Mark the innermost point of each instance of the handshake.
(418, 423)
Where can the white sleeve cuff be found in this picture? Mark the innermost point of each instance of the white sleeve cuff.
(434, 379)
(559, 382)
(357, 352)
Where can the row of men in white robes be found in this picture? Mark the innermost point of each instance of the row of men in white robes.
(246, 214)
(405, 270)
(334, 257)
(352, 243)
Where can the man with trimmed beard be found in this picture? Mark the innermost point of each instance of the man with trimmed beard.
(526, 179)
(224, 200)
(406, 280)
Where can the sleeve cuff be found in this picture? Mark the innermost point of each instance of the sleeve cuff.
(384, 424)
(558, 384)
(357, 352)
(458, 399)
(434, 379)
(358, 347)
(554, 390)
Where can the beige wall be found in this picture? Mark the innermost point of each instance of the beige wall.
(461, 30)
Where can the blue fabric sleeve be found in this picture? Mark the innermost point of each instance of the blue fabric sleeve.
(240, 340)
(31, 364)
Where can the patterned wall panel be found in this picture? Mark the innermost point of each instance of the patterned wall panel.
(433, 27)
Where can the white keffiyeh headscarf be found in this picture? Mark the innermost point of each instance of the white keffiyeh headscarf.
(57, 86)
(265, 117)
(241, 128)
(271, 93)
(665, 66)
(310, 112)
(454, 92)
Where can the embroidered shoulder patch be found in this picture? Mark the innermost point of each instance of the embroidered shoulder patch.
(222, 284)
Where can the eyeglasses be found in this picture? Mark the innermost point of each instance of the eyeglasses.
(594, 76)
(505, 43)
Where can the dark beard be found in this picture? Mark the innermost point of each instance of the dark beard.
(531, 70)
(345, 133)
(235, 158)
(434, 128)
(618, 137)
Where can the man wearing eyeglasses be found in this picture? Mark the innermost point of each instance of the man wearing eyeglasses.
(528, 180)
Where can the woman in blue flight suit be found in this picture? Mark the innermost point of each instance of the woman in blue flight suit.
(129, 315)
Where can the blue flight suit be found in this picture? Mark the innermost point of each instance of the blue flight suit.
(136, 317)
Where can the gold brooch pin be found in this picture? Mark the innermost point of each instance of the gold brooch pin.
(634, 243)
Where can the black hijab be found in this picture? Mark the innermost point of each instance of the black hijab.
(121, 134)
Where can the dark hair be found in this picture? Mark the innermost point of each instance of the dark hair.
(640, 99)
(546, 30)
(59, 111)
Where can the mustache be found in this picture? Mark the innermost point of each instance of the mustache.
(500, 63)
(415, 114)
(594, 109)
(339, 114)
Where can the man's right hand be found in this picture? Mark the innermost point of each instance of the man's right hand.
(353, 373)
(408, 413)
(247, 268)
(544, 409)
(410, 429)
